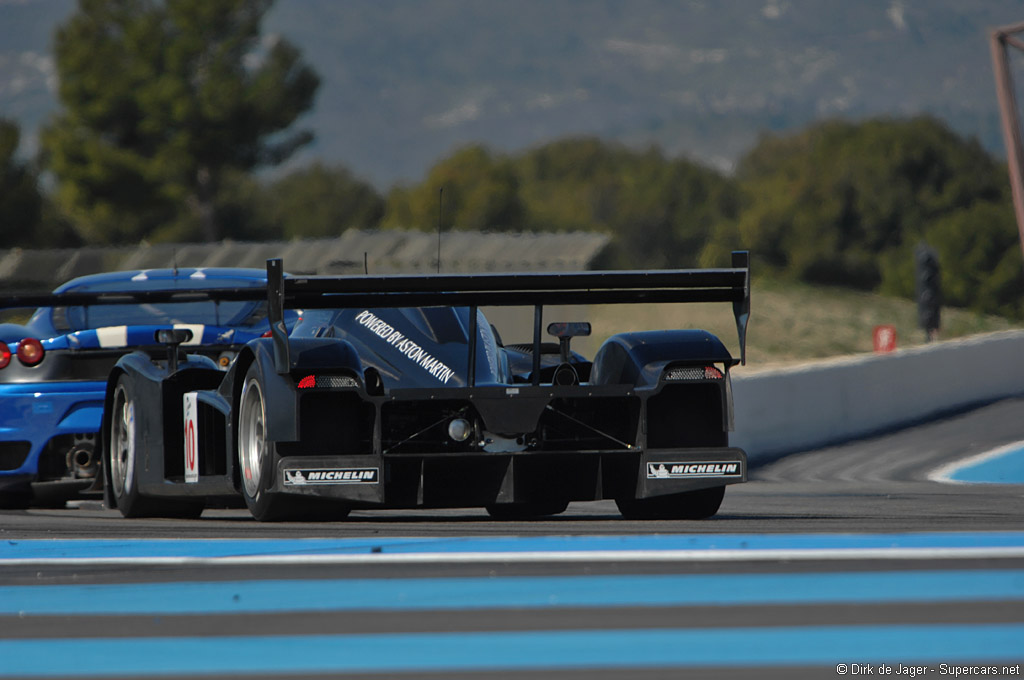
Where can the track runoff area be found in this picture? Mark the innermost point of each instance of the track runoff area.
(665, 605)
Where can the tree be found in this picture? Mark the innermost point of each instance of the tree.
(658, 211)
(979, 252)
(827, 204)
(481, 192)
(20, 202)
(25, 213)
(162, 100)
(313, 202)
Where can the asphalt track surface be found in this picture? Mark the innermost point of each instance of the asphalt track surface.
(644, 614)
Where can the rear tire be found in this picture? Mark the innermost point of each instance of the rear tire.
(526, 511)
(257, 466)
(699, 504)
(122, 457)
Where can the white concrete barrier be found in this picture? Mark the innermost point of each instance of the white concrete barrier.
(819, 403)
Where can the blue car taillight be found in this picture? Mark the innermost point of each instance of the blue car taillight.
(30, 351)
(5, 355)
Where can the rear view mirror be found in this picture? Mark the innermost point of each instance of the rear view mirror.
(172, 336)
(569, 329)
(566, 331)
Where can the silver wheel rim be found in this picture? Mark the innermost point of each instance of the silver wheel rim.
(251, 440)
(122, 444)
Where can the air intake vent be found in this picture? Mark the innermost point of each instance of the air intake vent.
(694, 373)
(327, 382)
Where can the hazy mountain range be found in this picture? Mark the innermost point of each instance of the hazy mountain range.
(405, 82)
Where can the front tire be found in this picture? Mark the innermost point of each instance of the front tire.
(699, 504)
(123, 459)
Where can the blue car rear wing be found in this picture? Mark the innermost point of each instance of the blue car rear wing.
(536, 289)
(127, 297)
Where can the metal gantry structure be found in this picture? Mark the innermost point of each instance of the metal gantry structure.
(1001, 39)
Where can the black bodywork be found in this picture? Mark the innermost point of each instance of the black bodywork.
(361, 399)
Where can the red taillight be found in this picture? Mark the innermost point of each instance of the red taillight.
(307, 382)
(712, 373)
(267, 334)
(5, 355)
(30, 351)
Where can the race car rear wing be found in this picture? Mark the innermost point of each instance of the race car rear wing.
(536, 289)
(472, 290)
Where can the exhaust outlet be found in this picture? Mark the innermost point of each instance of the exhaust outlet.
(83, 461)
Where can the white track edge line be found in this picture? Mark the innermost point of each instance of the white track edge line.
(538, 557)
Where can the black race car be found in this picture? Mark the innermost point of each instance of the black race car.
(396, 392)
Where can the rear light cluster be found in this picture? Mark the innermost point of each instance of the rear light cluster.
(327, 382)
(30, 352)
(694, 373)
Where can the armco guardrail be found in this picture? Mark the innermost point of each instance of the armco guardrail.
(816, 404)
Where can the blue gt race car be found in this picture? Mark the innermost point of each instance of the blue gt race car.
(54, 368)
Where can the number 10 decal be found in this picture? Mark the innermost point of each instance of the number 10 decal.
(191, 437)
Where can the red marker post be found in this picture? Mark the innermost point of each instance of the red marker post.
(884, 339)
